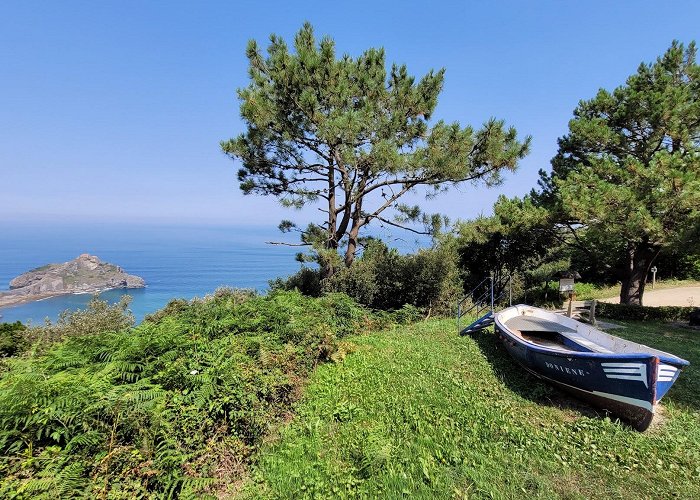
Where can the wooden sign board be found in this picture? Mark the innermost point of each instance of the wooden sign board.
(566, 285)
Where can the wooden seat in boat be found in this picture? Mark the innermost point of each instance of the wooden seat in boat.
(531, 324)
(585, 342)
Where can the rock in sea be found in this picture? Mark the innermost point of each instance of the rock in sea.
(84, 274)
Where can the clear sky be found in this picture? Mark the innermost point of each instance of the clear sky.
(113, 110)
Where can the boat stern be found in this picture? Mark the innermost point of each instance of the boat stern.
(667, 373)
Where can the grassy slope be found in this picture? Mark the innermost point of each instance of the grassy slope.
(421, 412)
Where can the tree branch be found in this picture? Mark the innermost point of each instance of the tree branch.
(288, 244)
(402, 227)
(388, 203)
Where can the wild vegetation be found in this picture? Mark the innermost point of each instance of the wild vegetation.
(382, 278)
(12, 338)
(183, 404)
(418, 412)
(640, 313)
(174, 406)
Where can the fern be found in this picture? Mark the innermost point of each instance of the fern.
(144, 410)
(90, 438)
(35, 486)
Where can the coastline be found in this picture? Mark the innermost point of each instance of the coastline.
(9, 299)
(175, 261)
(86, 274)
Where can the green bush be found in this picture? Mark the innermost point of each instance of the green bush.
(173, 407)
(691, 266)
(624, 312)
(544, 295)
(548, 293)
(384, 279)
(407, 314)
(98, 317)
(306, 280)
(586, 291)
(12, 338)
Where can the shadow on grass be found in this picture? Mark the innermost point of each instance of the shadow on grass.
(523, 383)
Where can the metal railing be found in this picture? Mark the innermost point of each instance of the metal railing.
(492, 291)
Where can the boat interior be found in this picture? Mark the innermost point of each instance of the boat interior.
(552, 335)
(549, 330)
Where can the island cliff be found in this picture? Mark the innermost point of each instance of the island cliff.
(85, 274)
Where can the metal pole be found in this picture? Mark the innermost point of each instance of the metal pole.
(459, 316)
(491, 293)
(510, 289)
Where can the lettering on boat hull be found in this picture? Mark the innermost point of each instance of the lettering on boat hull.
(565, 369)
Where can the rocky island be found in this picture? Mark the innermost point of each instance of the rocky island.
(85, 274)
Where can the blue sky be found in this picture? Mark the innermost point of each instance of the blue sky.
(114, 110)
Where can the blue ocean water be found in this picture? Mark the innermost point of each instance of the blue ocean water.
(175, 261)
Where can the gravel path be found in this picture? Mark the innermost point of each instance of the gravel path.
(683, 296)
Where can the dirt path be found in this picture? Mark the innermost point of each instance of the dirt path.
(682, 296)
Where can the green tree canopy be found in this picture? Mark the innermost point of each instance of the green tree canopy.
(628, 171)
(517, 239)
(353, 137)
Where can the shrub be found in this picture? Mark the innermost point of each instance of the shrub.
(586, 291)
(548, 294)
(12, 338)
(407, 314)
(544, 294)
(691, 266)
(306, 280)
(624, 312)
(384, 279)
(99, 317)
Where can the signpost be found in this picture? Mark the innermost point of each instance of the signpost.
(653, 277)
(566, 285)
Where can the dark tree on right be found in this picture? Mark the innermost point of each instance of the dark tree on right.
(628, 171)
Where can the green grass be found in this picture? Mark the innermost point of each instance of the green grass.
(676, 339)
(419, 412)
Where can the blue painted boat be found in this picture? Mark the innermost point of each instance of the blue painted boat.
(623, 377)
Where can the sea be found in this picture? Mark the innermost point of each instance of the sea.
(176, 261)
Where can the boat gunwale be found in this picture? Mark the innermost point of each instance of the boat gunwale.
(665, 357)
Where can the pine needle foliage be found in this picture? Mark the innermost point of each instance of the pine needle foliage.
(628, 172)
(352, 136)
(172, 407)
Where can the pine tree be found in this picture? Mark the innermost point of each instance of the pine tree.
(628, 171)
(354, 137)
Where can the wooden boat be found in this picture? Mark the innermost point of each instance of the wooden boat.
(623, 377)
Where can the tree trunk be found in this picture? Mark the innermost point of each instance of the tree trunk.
(327, 269)
(640, 256)
(352, 242)
(357, 222)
